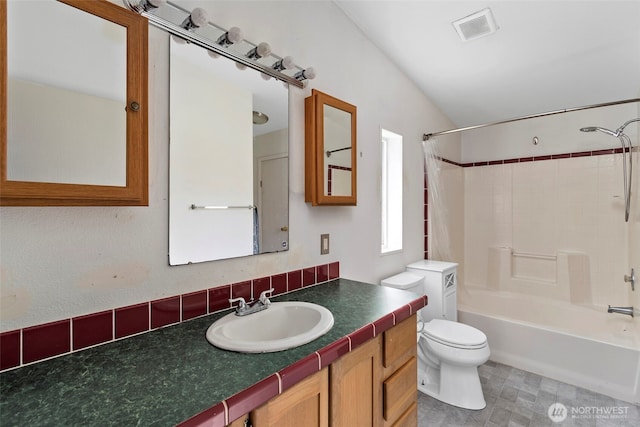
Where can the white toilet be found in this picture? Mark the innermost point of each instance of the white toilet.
(449, 353)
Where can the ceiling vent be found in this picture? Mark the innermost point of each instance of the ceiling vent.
(476, 25)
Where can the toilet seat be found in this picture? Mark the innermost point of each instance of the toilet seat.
(453, 334)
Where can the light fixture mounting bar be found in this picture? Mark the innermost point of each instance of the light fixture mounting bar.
(211, 45)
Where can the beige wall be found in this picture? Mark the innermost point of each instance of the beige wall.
(58, 263)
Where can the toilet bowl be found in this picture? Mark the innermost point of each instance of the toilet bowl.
(449, 355)
(449, 352)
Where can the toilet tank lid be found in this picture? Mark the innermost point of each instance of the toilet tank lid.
(431, 265)
(404, 280)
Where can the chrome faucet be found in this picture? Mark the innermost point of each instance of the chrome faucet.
(245, 308)
(631, 279)
(621, 310)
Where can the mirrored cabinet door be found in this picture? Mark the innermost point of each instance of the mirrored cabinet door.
(74, 104)
(330, 151)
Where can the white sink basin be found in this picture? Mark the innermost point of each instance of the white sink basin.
(281, 326)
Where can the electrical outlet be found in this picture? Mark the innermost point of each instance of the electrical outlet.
(324, 244)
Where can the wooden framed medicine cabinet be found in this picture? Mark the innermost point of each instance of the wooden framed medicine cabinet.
(330, 151)
(124, 181)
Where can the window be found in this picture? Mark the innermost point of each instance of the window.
(391, 191)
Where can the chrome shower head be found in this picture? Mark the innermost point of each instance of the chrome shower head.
(594, 128)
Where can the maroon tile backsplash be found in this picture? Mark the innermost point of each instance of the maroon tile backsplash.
(242, 289)
(132, 320)
(260, 285)
(9, 350)
(194, 305)
(279, 283)
(165, 312)
(294, 280)
(39, 342)
(92, 329)
(219, 298)
(308, 276)
(48, 340)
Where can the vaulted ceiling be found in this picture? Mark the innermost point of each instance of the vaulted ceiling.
(545, 56)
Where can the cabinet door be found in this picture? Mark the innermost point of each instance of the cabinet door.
(304, 404)
(356, 394)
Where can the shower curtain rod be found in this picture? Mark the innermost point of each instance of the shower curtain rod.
(427, 136)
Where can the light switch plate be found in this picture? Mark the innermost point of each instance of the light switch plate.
(324, 244)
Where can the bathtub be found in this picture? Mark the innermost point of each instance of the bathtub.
(579, 345)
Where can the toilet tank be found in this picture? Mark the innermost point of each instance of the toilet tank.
(440, 283)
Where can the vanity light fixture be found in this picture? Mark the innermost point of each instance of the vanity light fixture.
(308, 73)
(165, 14)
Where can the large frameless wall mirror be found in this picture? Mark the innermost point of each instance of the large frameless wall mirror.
(330, 151)
(74, 93)
(229, 167)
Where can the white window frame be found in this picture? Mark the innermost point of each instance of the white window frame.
(391, 192)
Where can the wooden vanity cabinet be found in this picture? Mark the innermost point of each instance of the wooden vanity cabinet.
(355, 387)
(374, 385)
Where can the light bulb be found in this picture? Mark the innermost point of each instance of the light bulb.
(240, 66)
(265, 76)
(309, 73)
(260, 51)
(213, 54)
(178, 40)
(234, 35)
(199, 16)
(150, 5)
(284, 64)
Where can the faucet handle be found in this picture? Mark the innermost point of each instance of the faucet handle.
(242, 304)
(631, 279)
(263, 296)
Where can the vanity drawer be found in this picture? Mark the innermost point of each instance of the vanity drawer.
(399, 391)
(400, 343)
(409, 418)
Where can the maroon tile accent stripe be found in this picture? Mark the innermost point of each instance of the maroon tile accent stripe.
(252, 397)
(361, 336)
(165, 312)
(214, 416)
(294, 280)
(260, 285)
(29, 345)
(219, 298)
(132, 320)
(308, 276)
(194, 305)
(333, 351)
(297, 371)
(501, 162)
(334, 270)
(10, 350)
(92, 329)
(44, 341)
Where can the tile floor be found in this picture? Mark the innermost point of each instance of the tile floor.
(518, 398)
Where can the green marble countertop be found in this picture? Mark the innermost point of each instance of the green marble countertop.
(165, 376)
